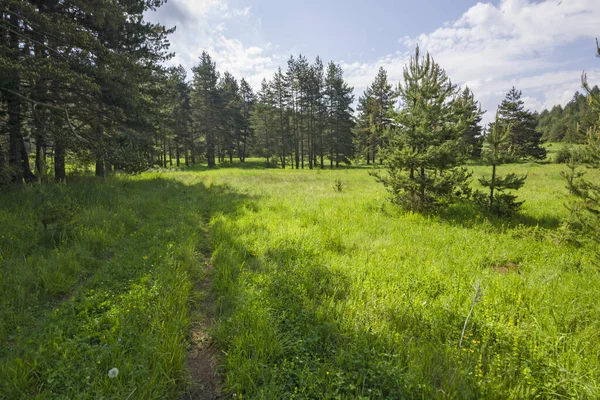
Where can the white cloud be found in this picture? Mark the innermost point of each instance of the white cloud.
(203, 25)
(493, 47)
(490, 48)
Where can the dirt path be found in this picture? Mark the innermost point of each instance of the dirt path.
(202, 359)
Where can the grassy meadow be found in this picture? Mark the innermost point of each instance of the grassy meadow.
(320, 292)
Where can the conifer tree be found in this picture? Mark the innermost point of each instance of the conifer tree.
(376, 107)
(496, 151)
(247, 105)
(525, 140)
(263, 121)
(422, 152)
(338, 100)
(586, 210)
(206, 105)
(471, 113)
(281, 97)
(232, 115)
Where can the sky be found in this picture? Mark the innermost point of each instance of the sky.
(540, 47)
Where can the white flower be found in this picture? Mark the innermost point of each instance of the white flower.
(113, 373)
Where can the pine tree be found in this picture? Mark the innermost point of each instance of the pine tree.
(423, 151)
(525, 140)
(263, 121)
(232, 115)
(247, 105)
(281, 96)
(586, 210)
(80, 69)
(340, 123)
(496, 151)
(471, 113)
(376, 107)
(206, 105)
(182, 115)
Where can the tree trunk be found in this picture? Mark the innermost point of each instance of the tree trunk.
(422, 191)
(27, 173)
(99, 143)
(243, 155)
(210, 151)
(492, 185)
(59, 161)
(164, 154)
(177, 154)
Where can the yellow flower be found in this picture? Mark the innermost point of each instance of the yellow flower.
(145, 257)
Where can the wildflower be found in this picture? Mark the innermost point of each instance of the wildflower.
(145, 257)
(113, 373)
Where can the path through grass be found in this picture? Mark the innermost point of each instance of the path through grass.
(112, 288)
(318, 293)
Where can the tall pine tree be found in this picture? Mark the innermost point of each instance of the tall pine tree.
(423, 152)
(525, 140)
(206, 105)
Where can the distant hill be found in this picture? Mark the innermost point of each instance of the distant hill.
(570, 123)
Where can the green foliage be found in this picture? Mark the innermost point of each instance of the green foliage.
(525, 141)
(422, 152)
(471, 115)
(338, 100)
(338, 185)
(376, 108)
(331, 295)
(55, 207)
(82, 72)
(497, 150)
(115, 292)
(570, 123)
(319, 293)
(586, 209)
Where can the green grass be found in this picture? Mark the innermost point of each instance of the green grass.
(320, 293)
(110, 288)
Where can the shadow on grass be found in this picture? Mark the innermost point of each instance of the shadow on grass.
(115, 294)
(469, 215)
(291, 326)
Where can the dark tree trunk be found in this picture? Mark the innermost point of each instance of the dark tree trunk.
(27, 173)
(193, 151)
(164, 154)
(243, 155)
(59, 161)
(39, 158)
(100, 144)
(492, 186)
(210, 152)
(14, 136)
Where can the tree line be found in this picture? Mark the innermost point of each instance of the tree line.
(82, 79)
(302, 117)
(570, 123)
(84, 83)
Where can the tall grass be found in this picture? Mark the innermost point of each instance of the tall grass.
(329, 294)
(324, 290)
(108, 286)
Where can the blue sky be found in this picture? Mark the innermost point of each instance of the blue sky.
(541, 47)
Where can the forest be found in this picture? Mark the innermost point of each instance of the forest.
(171, 234)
